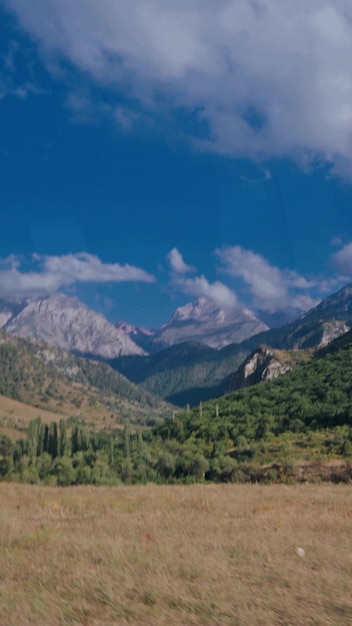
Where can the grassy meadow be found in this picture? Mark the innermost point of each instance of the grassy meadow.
(178, 555)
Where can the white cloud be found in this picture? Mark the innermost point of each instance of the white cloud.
(216, 292)
(271, 288)
(198, 286)
(58, 272)
(269, 78)
(342, 259)
(177, 262)
(11, 261)
(87, 268)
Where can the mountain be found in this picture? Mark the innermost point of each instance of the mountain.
(275, 319)
(191, 372)
(275, 430)
(67, 324)
(184, 374)
(266, 363)
(142, 337)
(52, 379)
(206, 323)
(317, 328)
(338, 306)
(315, 394)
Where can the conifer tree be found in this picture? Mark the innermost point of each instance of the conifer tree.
(53, 440)
(62, 443)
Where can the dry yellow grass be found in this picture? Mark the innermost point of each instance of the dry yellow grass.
(15, 415)
(199, 555)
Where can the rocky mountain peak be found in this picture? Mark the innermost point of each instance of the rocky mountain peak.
(68, 324)
(336, 306)
(207, 323)
(199, 310)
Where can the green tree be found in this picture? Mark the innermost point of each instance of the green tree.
(64, 471)
(53, 440)
(127, 439)
(63, 447)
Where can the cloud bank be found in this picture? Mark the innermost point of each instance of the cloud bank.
(198, 286)
(216, 292)
(272, 289)
(58, 272)
(266, 78)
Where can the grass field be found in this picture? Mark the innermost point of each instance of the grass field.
(15, 417)
(181, 555)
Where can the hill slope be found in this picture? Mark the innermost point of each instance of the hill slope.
(297, 427)
(185, 373)
(189, 375)
(50, 378)
(314, 395)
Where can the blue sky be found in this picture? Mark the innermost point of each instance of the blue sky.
(155, 152)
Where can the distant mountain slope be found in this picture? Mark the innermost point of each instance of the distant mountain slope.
(142, 337)
(184, 373)
(314, 395)
(338, 306)
(188, 373)
(266, 363)
(67, 324)
(200, 375)
(50, 378)
(206, 323)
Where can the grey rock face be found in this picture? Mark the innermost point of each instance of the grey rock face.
(70, 325)
(262, 364)
(143, 337)
(207, 323)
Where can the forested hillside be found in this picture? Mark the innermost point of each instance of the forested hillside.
(50, 378)
(296, 427)
(190, 372)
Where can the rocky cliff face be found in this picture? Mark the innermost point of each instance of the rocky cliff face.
(265, 363)
(307, 334)
(262, 364)
(67, 324)
(208, 324)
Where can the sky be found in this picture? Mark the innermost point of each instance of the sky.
(156, 151)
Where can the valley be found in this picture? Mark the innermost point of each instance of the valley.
(175, 313)
(283, 415)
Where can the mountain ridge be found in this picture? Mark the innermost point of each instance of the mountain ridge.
(66, 323)
(204, 375)
(50, 378)
(199, 321)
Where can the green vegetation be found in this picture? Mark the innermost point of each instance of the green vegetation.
(191, 372)
(298, 426)
(182, 374)
(52, 379)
